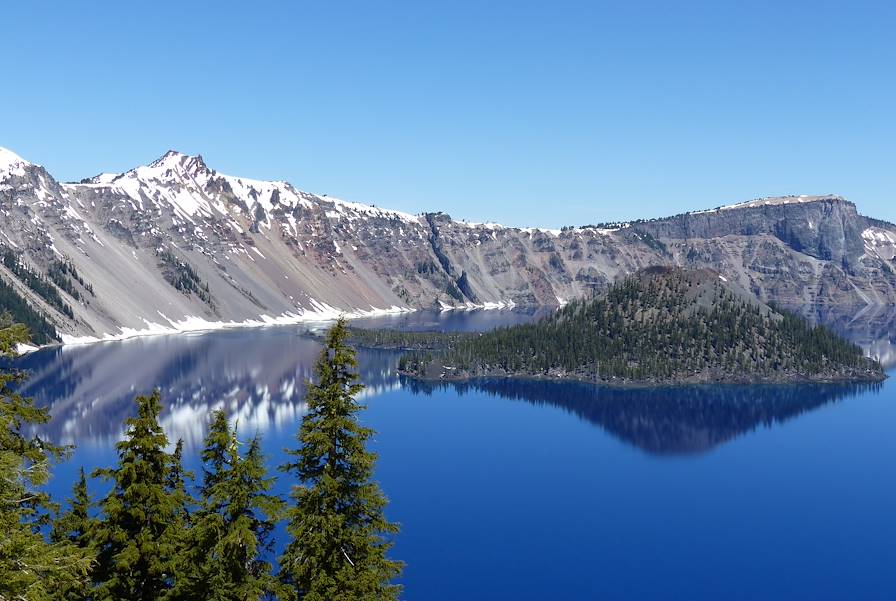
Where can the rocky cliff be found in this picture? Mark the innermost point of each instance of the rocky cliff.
(177, 245)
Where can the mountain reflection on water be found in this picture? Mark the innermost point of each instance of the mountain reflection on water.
(666, 420)
(872, 327)
(258, 377)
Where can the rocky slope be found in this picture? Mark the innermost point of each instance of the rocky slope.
(177, 245)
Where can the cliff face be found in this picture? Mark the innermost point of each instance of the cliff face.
(791, 250)
(823, 227)
(176, 244)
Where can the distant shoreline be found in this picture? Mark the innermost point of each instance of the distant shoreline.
(675, 382)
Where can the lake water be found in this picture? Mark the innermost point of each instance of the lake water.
(537, 490)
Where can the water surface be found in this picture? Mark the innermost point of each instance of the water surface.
(545, 490)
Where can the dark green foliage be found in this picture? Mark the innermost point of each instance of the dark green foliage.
(667, 326)
(143, 525)
(18, 309)
(76, 524)
(403, 340)
(182, 276)
(77, 527)
(36, 282)
(338, 534)
(233, 526)
(176, 485)
(62, 281)
(62, 273)
(151, 541)
(30, 567)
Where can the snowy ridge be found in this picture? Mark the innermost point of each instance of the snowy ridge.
(353, 210)
(185, 183)
(11, 163)
(772, 201)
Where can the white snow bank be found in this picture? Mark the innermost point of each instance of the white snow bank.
(489, 305)
(191, 323)
(22, 348)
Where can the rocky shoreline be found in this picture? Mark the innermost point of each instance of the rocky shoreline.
(703, 378)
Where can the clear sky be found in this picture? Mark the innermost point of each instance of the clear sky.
(528, 113)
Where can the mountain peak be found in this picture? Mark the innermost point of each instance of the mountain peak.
(173, 163)
(10, 160)
(175, 157)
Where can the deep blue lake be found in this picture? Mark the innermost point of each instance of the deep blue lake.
(535, 490)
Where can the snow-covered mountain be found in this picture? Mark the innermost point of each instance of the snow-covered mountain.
(176, 245)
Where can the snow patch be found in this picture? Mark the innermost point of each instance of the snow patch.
(771, 201)
(488, 305)
(320, 312)
(11, 163)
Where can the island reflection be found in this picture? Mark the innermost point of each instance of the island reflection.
(665, 420)
(258, 377)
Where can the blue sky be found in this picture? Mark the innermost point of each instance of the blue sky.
(547, 113)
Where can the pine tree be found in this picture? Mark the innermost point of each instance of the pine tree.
(339, 536)
(176, 484)
(232, 528)
(76, 526)
(30, 567)
(142, 528)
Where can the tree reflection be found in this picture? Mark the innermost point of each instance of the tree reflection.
(666, 420)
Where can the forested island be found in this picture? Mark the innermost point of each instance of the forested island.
(660, 326)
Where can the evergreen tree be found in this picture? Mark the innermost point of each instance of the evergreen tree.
(176, 484)
(142, 528)
(75, 524)
(77, 527)
(660, 325)
(30, 567)
(339, 536)
(233, 526)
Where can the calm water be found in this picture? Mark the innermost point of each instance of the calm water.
(529, 490)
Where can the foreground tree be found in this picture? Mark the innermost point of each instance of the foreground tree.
(76, 526)
(339, 536)
(232, 528)
(143, 527)
(30, 567)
